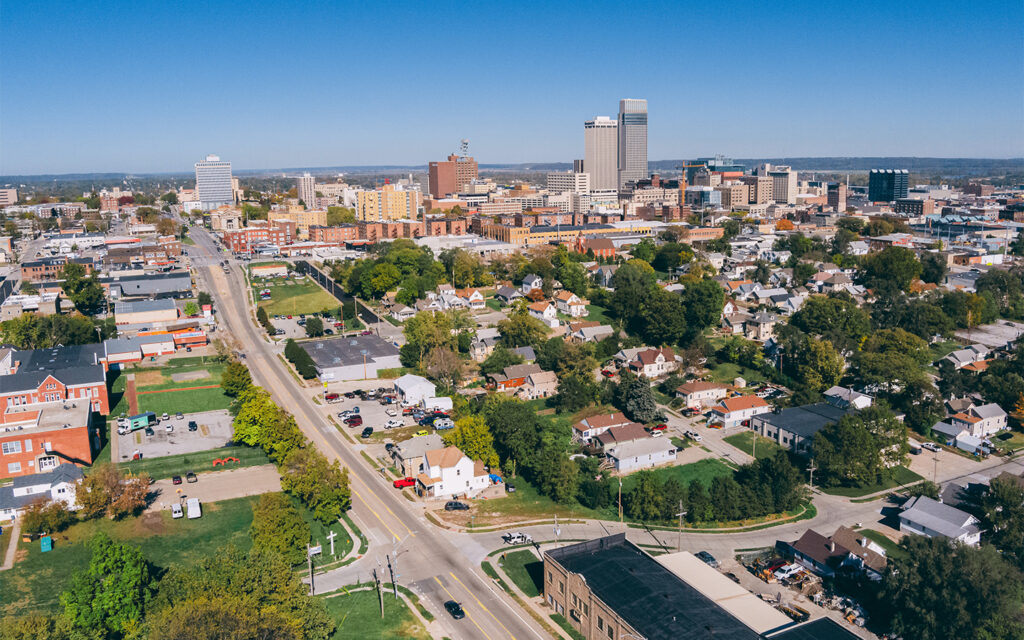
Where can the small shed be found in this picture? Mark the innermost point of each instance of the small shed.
(739, 382)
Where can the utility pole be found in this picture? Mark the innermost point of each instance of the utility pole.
(391, 568)
(380, 595)
(935, 468)
(811, 468)
(620, 499)
(679, 544)
(309, 558)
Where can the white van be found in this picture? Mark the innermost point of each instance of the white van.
(176, 511)
(194, 510)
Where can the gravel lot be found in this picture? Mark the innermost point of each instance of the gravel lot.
(214, 431)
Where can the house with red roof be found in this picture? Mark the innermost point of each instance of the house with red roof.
(733, 412)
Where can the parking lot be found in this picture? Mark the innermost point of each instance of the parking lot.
(292, 328)
(375, 415)
(214, 431)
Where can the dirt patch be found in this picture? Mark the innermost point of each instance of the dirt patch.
(149, 378)
(133, 400)
(190, 375)
(483, 518)
(152, 523)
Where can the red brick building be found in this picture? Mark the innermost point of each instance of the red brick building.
(279, 232)
(338, 235)
(50, 268)
(602, 247)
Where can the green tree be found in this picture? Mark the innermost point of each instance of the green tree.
(636, 400)
(314, 327)
(1002, 517)
(340, 215)
(698, 507)
(933, 267)
(85, 292)
(644, 500)
(893, 267)
(41, 626)
(576, 392)
(520, 329)
(46, 516)
(170, 197)
(818, 365)
(191, 309)
(204, 299)
(235, 380)
(425, 332)
(938, 589)
(112, 594)
(556, 475)
(473, 437)
(515, 428)
(703, 301)
(662, 319)
(498, 360)
(632, 284)
(278, 526)
(836, 319)
(210, 617)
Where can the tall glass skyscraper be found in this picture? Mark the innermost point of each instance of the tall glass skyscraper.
(213, 182)
(601, 152)
(632, 140)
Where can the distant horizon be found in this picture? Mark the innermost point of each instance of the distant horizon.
(512, 166)
(304, 86)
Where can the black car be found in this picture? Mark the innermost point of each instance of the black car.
(192, 426)
(426, 422)
(455, 609)
(455, 505)
(367, 432)
(707, 558)
(191, 477)
(150, 432)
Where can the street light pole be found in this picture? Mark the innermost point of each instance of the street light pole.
(812, 469)
(679, 543)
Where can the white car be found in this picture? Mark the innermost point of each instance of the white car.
(393, 424)
(693, 435)
(169, 427)
(931, 446)
(176, 511)
(391, 411)
(194, 510)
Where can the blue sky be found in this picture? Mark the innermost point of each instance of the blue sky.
(153, 86)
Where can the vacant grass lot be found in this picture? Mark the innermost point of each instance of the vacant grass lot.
(744, 442)
(726, 372)
(148, 379)
(37, 580)
(288, 297)
(900, 476)
(180, 464)
(357, 616)
(704, 470)
(524, 569)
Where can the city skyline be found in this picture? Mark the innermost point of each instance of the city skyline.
(799, 80)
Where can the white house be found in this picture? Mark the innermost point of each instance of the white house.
(732, 412)
(538, 385)
(697, 395)
(402, 313)
(473, 298)
(844, 398)
(593, 426)
(963, 357)
(651, 363)
(58, 484)
(570, 304)
(926, 517)
(980, 422)
(448, 472)
(641, 454)
(531, 282)
(414, 389)
(545, 312)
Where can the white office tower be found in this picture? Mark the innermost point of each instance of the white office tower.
(306, 186)
(213, 182)
(632, 141)
(601, 152)
(560, 181)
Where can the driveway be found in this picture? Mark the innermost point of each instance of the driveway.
(217, 485)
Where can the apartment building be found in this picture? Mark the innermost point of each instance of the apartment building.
(451, 176)
(334, 235)
(759, 189)
(260, 232)
(390, 202)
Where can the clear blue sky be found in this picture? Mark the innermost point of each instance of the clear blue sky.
(153, 86)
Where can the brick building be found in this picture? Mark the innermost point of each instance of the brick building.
(259, 232)
(50, 268)
(334, 235)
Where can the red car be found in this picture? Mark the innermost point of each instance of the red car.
(338, 324)
(608, 374)
(332, 397)
(659, 427)
(366, 333)
(402, 483)
(354, 421)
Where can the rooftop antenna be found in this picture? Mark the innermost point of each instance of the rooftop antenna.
(464, 147)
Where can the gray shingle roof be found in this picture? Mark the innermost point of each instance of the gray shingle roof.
(932, 514)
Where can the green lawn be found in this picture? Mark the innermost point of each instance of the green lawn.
(493, 304)
(744, 442)
(900, 476)
(194, 400)
(726, 372)
(342, 541)
(295, 298)
(942, 349)
(704, 470)
(892, 549)
(357, 616)
(180, 464)
(524, 569)
(36, 581)
(597, 314)
(1009, 440)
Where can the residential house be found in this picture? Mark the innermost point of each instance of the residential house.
(641, 454)
(732, 412)
(527, 353)
(615, 436)
(486, 339)
(975, 422)
(408, 454)
(767, 295)
(588, 428)
(474, 299)
(57, 484)
(924, 516)
(846, 398)
(448, 473)
(507, 294)
(511, 378)
(530, 282)
(540, 384)
(969, 355)
(589, 331)
(760, 327)
(402, 313)
(570, 304)
(842, 552)
(795, 427)
(605, 274)
(653, 363)
(545, 312)
(699, 394)
(735, 323)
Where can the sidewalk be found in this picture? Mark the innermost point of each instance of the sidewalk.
(12, 546)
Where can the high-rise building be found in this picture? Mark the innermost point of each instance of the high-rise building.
(760, 188)
(784, 184)
(632, 141)
(8, 197)
(213, 182)
(449, 177)
(837, 196)
(306, 186)
(576, 182)
(888, 185)
(388, 203)
(601, 152)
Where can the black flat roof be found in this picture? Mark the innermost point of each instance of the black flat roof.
(804, 421)
(649, 597)
(820, 629)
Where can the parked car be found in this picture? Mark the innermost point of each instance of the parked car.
(176, 511)
(391, 411)
(332, 397)
(176, 480)
(931, 446)
(402, 483)
(707, 558)
(517, 538)
(427, 421)
(190, 477)
(443, 423)
(393, 424)
(422, 432)
(354, 421)
(192, 426)
(366, 433)
(693, 435)
(168, 427)
(608, 374)
(179, 415)
(455, 609)
(150, 431)
(455, 505)
(194, 510)
(659, 427)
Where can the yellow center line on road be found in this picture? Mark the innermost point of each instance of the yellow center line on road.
(367, 505)
(482, 605)
(402, 522)
(467, 612)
